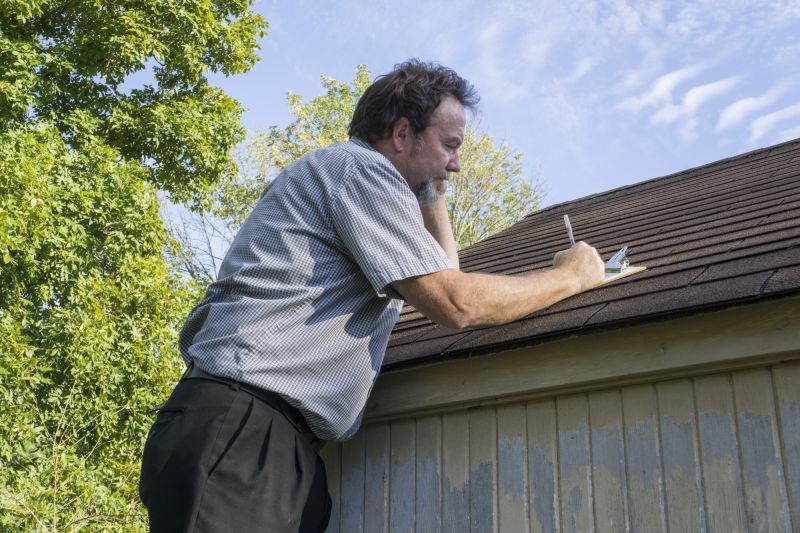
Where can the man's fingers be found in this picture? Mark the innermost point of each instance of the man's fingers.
(584, 263)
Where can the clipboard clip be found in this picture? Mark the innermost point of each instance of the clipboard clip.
(618, 262)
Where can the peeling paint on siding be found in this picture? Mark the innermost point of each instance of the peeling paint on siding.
(513, 450)
(714, 453)
(608, 476)
(481, 503)
(543, 485)
(678, 452)
(685, 509)
(572, 449)
(455, 514)
(790, 419)
(763, 473)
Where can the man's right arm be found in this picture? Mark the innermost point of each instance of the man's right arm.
(458, 299)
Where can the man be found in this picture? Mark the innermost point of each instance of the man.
(287, 343)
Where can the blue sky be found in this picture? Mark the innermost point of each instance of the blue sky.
(595, 94)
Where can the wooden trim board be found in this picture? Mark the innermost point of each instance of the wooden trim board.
(700, 343)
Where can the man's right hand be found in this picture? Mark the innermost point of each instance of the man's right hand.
(583, 263)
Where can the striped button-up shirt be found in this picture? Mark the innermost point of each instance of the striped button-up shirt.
(302, 305)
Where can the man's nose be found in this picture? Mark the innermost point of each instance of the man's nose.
(454, 165)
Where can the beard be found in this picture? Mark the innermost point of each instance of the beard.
(430, 190)
(426, 193)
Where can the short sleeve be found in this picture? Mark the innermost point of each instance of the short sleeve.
(379, 221)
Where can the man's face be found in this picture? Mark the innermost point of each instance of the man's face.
(435, 152)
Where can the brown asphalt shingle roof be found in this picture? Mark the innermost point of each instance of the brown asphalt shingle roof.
(712, 236)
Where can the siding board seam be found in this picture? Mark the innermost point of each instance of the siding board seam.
(590, 470)
(557, 466)
(589, 427)
(699, 474)
(363, 480)
(525, 464)
(414, 463)
(627, 505)
(626, 481)
(441, 472)
(387, 487)
(661, 472)
(341, 493)
(468, 466)
(496, 468)
(784, 466)
(744, 501)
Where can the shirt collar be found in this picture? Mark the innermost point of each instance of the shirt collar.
(362, 143)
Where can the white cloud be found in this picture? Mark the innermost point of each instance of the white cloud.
(689, 130)
(495, 80)
(788, 135)
(624, 17)
(661, 91)
(693, 100)
(763, 124)
(668, 114)
(581, 69)
(698, 96)
(687, 21)
(561, 109)
(536, 46)
(741, 109)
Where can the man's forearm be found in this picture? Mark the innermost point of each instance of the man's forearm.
(437, 222)
(459, 300)
(497, 299)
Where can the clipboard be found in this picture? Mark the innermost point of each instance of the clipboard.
(624, 273)
(619, 267)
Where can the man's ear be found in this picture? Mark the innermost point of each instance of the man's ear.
(401, 131)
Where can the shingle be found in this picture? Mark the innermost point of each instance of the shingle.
(719, 292)
(411, 334)
(432, 348)
(747, 265)
(528, 328)
(784, 280)
(723, 233)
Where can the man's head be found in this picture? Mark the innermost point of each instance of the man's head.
(415, 117)
(413, 90)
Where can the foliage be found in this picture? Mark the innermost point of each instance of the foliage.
(87, 327)
(489, 194)
(319, 122)
(64, 60)
(89, 308)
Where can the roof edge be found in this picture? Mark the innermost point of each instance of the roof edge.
(744, 155)
(490, 349)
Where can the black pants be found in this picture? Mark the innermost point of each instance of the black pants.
(219, 459)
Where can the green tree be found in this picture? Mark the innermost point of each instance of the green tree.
(489, 194)
(89, 307)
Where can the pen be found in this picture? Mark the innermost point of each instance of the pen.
(569, 229)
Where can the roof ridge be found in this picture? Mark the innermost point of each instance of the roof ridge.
(746, 155)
